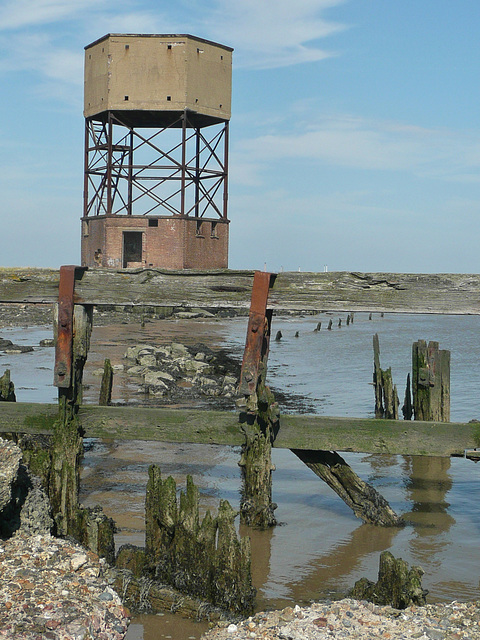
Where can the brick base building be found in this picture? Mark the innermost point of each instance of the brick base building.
(175, 242)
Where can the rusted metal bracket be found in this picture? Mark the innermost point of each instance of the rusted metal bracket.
(62, 375)
(258, 333)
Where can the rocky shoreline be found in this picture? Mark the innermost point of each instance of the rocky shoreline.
(55, 589)
(19, 314)
(50, 587)
(178, 374)
(357, 619)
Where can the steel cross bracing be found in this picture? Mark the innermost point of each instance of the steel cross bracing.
(128, 171)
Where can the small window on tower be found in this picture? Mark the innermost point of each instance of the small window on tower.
(199, 228)
(169, 98)
(127, 46)
(126, 98)
(213, 233)
(169, 46)
(153, 222)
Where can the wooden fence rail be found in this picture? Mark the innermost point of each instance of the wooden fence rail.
(305, 432)
(291, 291)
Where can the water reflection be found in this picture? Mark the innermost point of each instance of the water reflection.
(327, 573)
(320, 549)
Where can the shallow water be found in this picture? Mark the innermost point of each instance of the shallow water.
(321, 548)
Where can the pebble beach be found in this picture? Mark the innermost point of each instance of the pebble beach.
(353, 619)
(55, 589)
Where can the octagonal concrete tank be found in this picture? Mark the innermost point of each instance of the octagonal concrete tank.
(150, 78)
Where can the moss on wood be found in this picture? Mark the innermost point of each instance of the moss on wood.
(398, 585)
(202, 559)
(7, 388)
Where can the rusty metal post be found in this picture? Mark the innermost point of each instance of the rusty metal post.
(260, 421)
(183, 176)
(258, 334)
(109, 166)
(225, 169)
(73, 340)
(66, 447)
(64, 343)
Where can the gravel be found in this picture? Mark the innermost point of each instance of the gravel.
(55, 589)
(355, 619)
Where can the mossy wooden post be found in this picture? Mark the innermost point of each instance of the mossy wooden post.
(73, 327)
(386, 396)
(259, 426)
(398, 585)
(106, 386)
(260, 419)
(407, 408)
(377, 378)
(390, 396)
(67, 443)
(430, 382)
(202, 559)
(7, 388)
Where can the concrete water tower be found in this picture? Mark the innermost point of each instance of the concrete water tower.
(157, 110)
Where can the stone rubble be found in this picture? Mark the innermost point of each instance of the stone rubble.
(175, 372)
(54, 589)
(354, 619)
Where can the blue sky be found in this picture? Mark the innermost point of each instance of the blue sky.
(355, 137)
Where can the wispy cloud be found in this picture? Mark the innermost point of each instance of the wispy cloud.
(268, 35)
(38, 53)
(358, 143)
(46, 37)
(17, 14)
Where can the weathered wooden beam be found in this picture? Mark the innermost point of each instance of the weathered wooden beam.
(364, 500)
(292, 291)
(29, 285)
(221, 427)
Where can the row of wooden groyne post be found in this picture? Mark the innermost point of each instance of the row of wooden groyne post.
(205, 558)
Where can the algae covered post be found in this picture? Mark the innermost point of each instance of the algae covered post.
(259, 420)
(431, 381)
(7, 388)
(73, 330)
(203, 560)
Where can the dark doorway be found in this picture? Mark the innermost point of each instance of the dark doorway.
(132, 247)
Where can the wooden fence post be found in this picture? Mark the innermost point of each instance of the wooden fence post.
(7, 388)
(73, 328)
(430, 382)
(386, 397)
(105, 396)
(67, 444)
(260, 419)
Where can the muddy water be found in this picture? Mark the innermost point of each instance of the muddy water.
(320, 549)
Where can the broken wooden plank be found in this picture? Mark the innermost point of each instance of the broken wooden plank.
(362, 435)
(364, 500)
(292, 291)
